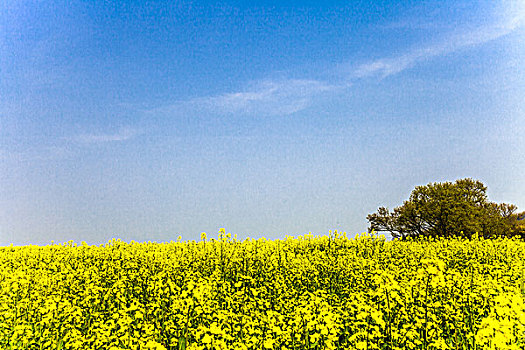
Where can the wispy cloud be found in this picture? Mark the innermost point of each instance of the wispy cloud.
(385, 67)
(122, 134)
(267, 97)
(288, 96)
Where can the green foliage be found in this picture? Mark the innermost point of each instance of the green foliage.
(449, 209)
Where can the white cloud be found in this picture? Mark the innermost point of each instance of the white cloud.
(268, 97)
(122, 135)
(288, 96)
(385, 67)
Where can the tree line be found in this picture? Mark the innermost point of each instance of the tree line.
(449, 209)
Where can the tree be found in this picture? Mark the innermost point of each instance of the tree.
(449, 209)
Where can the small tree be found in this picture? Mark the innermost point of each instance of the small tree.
(448, 209)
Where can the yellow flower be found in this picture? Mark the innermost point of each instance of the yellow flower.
(268, 344)
(207, 339)
(215, 329)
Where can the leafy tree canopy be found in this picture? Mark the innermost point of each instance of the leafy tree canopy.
(449, 209)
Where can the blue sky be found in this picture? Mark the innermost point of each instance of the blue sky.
(146, 120)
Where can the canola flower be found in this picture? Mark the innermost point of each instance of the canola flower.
(322, 292)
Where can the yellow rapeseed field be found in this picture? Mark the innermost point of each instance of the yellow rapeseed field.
(323, 292)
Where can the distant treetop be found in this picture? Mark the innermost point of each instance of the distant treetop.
(449, 209)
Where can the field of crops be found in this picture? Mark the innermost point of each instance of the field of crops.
(325, 292)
